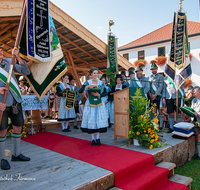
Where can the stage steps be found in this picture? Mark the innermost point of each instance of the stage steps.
(182, 180)
(175, 177)
(167, 165)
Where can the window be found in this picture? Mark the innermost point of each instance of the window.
(141, 55)
(161, 51)
(126, 55)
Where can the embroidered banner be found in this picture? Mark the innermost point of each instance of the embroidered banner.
(70, 98)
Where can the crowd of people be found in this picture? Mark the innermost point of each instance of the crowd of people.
(98, 101)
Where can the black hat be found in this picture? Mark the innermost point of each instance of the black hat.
(118, 76)
(123, 73)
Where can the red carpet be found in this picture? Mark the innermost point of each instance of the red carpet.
(133, 170)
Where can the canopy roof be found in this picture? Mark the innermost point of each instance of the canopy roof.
(81, 48)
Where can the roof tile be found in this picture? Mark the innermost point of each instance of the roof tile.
(162, 33)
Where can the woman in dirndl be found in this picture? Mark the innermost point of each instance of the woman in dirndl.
(105, 98)
(64, 115)
(115, 88)
(95, 118)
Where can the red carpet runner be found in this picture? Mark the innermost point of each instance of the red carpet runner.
(133, 170)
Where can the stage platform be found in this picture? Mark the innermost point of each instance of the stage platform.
(51, 170)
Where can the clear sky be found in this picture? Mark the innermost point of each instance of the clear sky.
(133, 18)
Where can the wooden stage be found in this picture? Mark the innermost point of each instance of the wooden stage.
(51, 170)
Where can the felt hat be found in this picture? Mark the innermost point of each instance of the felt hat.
(123, 73)
(118, 76)
(131, 69)
(139, 68)
(188, 111)
(21, 78)
(154, 66)
(190, 87)
(131, 72)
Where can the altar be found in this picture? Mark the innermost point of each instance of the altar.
(31, 102)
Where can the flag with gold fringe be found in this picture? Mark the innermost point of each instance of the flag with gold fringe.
(40, 44)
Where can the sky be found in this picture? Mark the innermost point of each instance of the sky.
(133, 18)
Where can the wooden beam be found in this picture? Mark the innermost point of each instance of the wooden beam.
(10, 18)
(73, 48)
(5, 24)
(69, 34)
(93, 50)
(86, 45)
(74, 71)
(6, 28)
(78, 40)
(60, 27)
(74, 44)
(100, 55)
(74, 55)
(81, 53)
(7, 53)
(8, 34)
(6, 45)
(65, 44)
(78, 68)
(98, 64)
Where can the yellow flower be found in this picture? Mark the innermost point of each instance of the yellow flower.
(145, 131)
(153, 110)
(24, 132)
(146, 135)
(151, 146)
(156, 120)
(141, 116)
(149, 130)
(11, 131)
(138, 133)
(151, 141)
(148, 116)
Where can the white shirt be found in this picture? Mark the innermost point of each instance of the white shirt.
(196, 106)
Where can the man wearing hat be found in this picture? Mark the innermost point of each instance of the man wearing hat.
(77, 99)
(140, 81)
(169, 99)
(13, 109)
(196, 106)
(22, 87)
(156, 88)
(124, 82)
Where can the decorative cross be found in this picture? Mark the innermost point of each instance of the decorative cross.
(41, 18)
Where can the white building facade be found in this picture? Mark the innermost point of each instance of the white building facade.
(153, 49)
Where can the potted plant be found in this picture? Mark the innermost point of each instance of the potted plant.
(140, 62)
(161, 60)
(142, 127)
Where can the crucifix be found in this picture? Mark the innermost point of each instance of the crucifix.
(41, 18)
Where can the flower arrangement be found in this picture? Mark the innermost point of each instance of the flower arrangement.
(140, 62)
(190, 56)
(10, 129)
(142, 127)
(161, 60)
(188, 83)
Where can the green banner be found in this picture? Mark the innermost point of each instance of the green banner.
(44, 74)
(112, 66)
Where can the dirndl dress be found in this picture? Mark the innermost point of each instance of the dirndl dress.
(63, 113)
(94, 118)
(108, 105)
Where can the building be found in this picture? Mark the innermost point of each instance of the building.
(158, 43)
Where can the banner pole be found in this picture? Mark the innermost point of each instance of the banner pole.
(19, 32)
(176, 106)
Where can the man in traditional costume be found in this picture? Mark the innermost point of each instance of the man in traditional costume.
(196, 106)
(140, 81)
(169, 98)
(77, 99)
(156, 88)
(22, 87)
(13, 109)
(124, 82)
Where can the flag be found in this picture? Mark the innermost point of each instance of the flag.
(179, 67)
(112, 66)
(40, 43)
